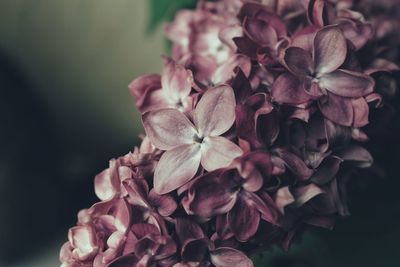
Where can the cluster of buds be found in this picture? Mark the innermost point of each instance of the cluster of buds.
(252, 130)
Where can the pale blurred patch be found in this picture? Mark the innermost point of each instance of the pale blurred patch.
(82, 55)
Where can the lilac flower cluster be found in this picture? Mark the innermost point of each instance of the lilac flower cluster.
(252, 129)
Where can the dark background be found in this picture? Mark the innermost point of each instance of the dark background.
(65, 110)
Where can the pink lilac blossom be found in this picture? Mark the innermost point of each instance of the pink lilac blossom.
(257, 121)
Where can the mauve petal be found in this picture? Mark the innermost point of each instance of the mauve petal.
(229, 32)
(122, 214)
(295, 164)
(140, 230)
(215, 112)
(212, 194)
(330, 49)
(106, 183)
(326, 171)
(83, 240)
(229, 257)
(287, 89)
(356, 155)
(347, 83)
(316, 12)
(165, 204)
(142, 87)
(356, 32)
(176, 167)
(218, 152)
(226, 71)
(264, 204)
(168, 128)
(187, 229)
(283, 198)
(125, 261)
(306, 193)
(176, 80)
(243, 219)
(337, 109)
(260, 32)
(337, 135)
(195, 250)
(361, 112)
(298, 61)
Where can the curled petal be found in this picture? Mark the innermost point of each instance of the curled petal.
(211, 195)
(165, 204)
(337, 109)
(168, 128)
(226, 71)
(356, 155)
(218, 152)
(83, 240)
(327, 170)
(295, 164)
(306, 193)
(229, 257)
(106, 183)
(243, 219)
(298, 61)
(330, 49)
(361, 112)
(260, 32)
(283, 198)
(287, 89)
(176, 80)
(347, 83)
(215, 112)
(187, 229)
(143, 88)
(176, 167)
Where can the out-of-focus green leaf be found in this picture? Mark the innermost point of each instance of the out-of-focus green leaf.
(162, 10)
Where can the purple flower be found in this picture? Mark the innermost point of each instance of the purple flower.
(188, 144)
(235, 192)
(317, 75)
(171, 90)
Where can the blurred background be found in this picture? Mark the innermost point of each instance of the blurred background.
(65, 110)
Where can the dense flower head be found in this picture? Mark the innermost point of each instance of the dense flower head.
(252, 131)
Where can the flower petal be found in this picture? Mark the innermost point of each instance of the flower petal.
(168, 128)
(361, 112)
(283, 198)
(229, 257)
(176, 167)
(356, 155)
(211, 195)
(243, 219)
(142, 88)
(287, 89)
(337, 109)
(330, 49)
(165, 204)
(215, 112)
(305, 193)
(226, 71)
(298, 61)
(260, 32)
(218, 152)
(347, 83)
(176, 80)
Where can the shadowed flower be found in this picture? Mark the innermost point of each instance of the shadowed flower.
(171, 90)
(188, 144)
(317, 75)
(235, 192)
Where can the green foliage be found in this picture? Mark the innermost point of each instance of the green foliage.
(164, 10)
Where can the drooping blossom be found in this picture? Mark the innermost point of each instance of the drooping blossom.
(253, 130)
